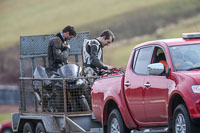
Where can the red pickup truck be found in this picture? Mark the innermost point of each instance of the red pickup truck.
(160, 88)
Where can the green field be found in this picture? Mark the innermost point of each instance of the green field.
(5, 117)
(121, 52)
(42, 17)
(146, 20)
(126, 18)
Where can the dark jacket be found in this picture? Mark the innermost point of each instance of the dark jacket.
(92, 53)
(57, 53)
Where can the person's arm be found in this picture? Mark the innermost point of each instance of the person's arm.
(94, 57)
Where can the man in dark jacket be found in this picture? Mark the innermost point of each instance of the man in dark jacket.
(58, 49)
(92, 53)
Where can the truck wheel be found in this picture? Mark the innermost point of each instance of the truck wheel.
(28, 128)
(7, 130)
(181, 122)
(116, 123)
(40, 128)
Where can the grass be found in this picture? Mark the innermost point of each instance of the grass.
(5, 117)
(126, 18)
(42, 17)
(146, 20)
(121, 52)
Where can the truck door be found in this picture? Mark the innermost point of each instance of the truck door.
(134, 82)
(156, 91)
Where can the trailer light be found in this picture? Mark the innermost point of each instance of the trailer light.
(196, 88)
(191, 35)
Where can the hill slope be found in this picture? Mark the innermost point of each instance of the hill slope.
(125, 18)
(121, 50)
(43, 17)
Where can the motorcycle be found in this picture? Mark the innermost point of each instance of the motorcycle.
(53, 92)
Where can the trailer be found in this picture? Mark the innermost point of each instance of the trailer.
(47, 108)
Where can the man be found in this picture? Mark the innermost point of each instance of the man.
(58, 49)
(92, 53)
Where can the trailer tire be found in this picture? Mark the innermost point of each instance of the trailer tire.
(40, 128)
(116, 123)
(28, 128)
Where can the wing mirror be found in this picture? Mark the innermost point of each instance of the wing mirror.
(155, 69)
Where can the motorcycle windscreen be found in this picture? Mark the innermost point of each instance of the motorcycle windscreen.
(40, 72)
(69, 71)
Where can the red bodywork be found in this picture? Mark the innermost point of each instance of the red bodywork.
(5, 125)
(152, 106)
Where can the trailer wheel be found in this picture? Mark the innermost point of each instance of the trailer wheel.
(28, 128)
(116, 123)
(40, 128)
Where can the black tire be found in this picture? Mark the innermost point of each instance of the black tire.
(28, 128)
(84, 104)
(182, 122)
(7, 130)
(116, 123)
(40, 128)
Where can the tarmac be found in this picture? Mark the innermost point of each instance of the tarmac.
(163, 130)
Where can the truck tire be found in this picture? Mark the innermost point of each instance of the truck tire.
(28, 128)
(181, 121)
(40, 128)
(116, 123)
(7, 130)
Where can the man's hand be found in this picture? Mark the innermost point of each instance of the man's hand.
(111, 67)
(67, 45)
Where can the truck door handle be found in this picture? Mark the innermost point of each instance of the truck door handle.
(147, 85)
(127, 84)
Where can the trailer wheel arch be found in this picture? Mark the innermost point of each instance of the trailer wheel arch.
(24, 121)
